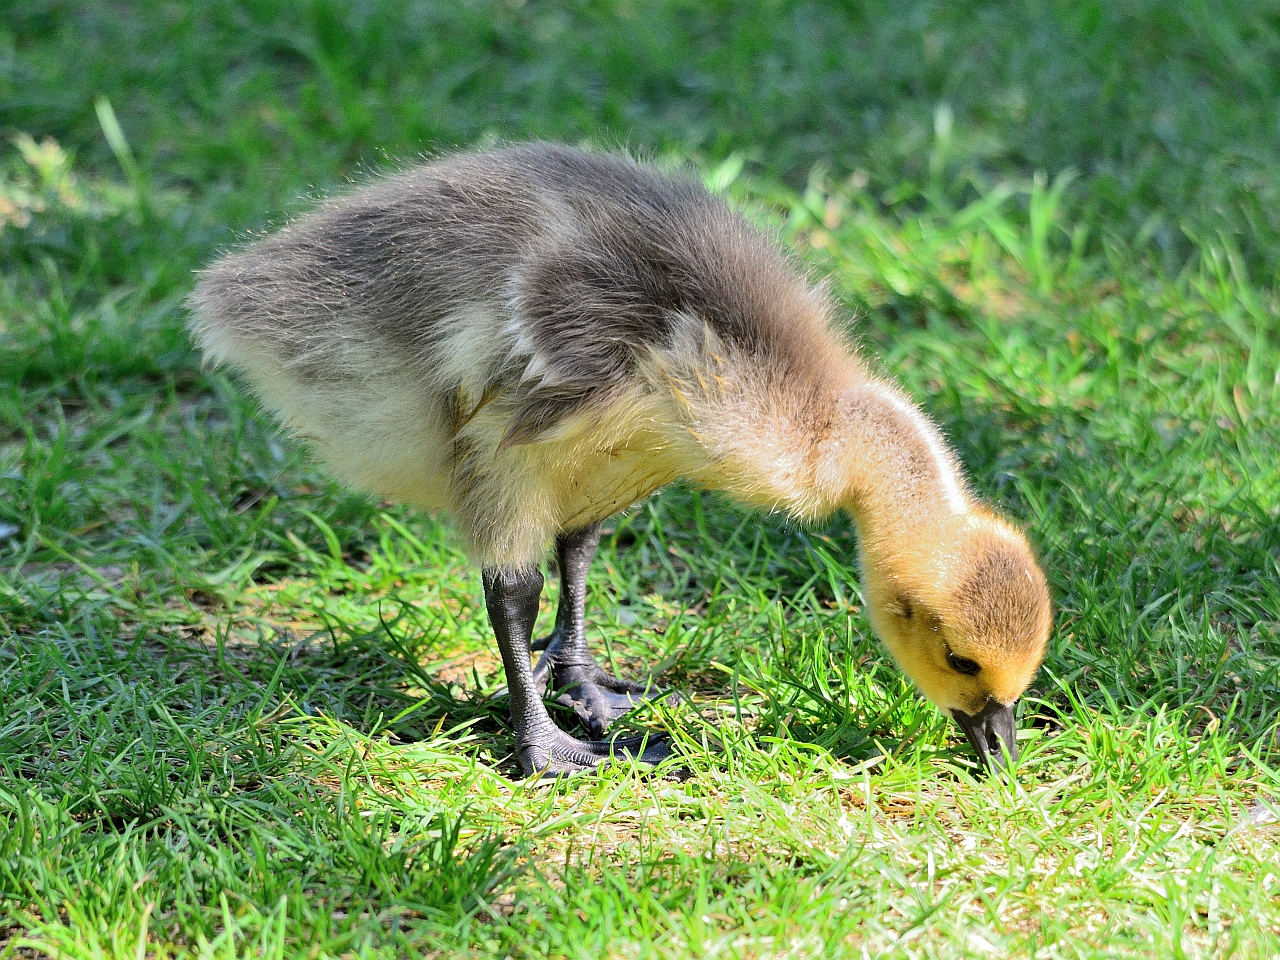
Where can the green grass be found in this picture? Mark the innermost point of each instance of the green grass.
(244, 712)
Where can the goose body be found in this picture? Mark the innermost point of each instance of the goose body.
(533, 338)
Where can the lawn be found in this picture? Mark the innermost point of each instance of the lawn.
(244, 712)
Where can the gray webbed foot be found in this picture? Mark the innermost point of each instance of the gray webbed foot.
(579, 683)
(567, 667)
(511, 597)
(550, 751)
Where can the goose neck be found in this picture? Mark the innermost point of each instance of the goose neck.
(900, 478)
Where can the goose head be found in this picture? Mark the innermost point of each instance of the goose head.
(964, 608)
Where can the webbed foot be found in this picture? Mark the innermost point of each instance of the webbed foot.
(550, 752)
(596, 696)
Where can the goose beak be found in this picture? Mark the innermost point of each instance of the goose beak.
(991, 732)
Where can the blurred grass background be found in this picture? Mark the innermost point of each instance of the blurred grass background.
(1166, 110)
(243, 711)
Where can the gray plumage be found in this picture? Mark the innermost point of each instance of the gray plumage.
(596, 257)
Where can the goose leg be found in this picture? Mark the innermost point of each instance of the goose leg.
(567, 666)
(511, 597)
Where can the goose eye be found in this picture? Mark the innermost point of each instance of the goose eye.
(962, 664)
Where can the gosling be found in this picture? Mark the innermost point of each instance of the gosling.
(534, 338)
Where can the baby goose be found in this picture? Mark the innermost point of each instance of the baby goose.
(535, 337)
